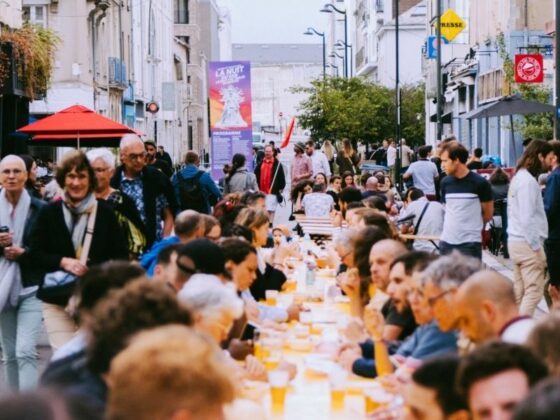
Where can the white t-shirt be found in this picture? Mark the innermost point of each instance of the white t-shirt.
(430, 225)
(391, 156)
(320, 163)
(423, 173)
(317, 204)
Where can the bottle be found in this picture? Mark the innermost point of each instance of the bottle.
(310, 273)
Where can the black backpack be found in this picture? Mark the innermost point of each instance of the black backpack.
(191, 193)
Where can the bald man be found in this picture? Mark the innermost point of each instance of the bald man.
(381, 256)
(486, 309)
(150, 189)
(20, 310)
(372, 189)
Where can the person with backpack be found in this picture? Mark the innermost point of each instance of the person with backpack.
(194, 188)
(238, 178)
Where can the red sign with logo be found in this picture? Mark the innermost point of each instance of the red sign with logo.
(529, 68)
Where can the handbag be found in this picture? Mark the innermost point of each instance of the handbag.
(58, 286)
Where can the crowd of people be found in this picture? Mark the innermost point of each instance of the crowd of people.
(151, 284)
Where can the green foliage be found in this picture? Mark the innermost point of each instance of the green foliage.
(534, 125)
(336, 108)
(34, 49)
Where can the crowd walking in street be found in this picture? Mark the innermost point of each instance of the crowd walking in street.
(169, 295)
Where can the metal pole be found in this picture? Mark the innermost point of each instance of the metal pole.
(439, 104)
(557, 71)
(398, 101)
(345, 45)
(324, 57)
(352, 63)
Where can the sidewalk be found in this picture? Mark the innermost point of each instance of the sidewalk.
(505, 268)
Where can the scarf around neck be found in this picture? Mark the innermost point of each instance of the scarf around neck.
(76, 217)
(10, 273)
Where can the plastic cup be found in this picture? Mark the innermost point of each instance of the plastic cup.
(271, 297)
(337, 382)
(376, 398)
(278, 381)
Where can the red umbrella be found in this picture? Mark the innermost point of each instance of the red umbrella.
(77, 125)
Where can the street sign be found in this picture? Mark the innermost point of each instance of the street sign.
(451, 25)
(529, 68)
(431, 46)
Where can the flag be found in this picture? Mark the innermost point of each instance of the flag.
(288, 133)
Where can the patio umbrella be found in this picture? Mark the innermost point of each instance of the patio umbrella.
(77, 125)
(509, 105)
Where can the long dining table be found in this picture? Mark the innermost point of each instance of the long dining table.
(308, 395)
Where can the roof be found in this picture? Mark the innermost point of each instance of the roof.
(279, 53)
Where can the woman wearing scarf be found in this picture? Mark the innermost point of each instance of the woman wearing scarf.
(59, 234)
(270, 176)
(20, 310)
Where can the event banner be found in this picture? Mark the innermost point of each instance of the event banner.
(231, 124)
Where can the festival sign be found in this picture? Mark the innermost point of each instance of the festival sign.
(529, 68)
(451, 25)
(231, 124)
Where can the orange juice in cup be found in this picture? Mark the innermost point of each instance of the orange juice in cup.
(337, 382)
(376, 398)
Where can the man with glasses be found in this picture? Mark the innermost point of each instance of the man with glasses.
(426, 341)
(150, 189)
(441, 280)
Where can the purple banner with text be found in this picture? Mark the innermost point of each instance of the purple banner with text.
(231, 123)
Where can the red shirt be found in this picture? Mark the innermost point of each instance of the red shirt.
(265, 183)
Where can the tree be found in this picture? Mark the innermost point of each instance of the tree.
(336, 108)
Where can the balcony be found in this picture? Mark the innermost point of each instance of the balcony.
(10, 81)
(117, 74)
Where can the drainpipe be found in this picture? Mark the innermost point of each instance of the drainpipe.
(91, 20)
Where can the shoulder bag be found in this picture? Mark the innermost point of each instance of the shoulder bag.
(58, 286)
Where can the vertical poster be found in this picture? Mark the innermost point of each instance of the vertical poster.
(231, 124)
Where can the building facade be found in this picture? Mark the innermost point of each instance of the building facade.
(275, 69)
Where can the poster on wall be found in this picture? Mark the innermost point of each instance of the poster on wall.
(231, 123)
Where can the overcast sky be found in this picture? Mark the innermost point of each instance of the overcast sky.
(276, 21)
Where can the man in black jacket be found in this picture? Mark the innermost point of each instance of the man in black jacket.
(271, 180)
(149, 188)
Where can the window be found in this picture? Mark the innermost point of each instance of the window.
(36, 15)
(182, 11)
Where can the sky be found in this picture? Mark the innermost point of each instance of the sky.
(276, 21)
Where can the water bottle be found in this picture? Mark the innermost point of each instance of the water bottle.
(310, 273)
(306, 246)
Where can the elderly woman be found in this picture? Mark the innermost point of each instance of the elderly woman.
(103, 163)
(60, 236)
(20, 310)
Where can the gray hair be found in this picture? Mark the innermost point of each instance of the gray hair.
(14, 158)
(102, 153)
(345, 239)
(450, 271)
(206, 294)
(129, 139)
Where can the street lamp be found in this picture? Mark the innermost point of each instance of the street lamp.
(335, 54)
(329, 8)
(340, 45)
(334, 67)
(313, 31)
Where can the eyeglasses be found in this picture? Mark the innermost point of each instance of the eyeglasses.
(136, 156)
(432, 301)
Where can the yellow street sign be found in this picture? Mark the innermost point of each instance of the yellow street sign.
(451, 25)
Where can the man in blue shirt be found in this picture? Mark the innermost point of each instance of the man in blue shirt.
(194, 188)
(552, 209)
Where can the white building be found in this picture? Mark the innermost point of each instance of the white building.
(10, 13)
(374, 38)
(275, 69)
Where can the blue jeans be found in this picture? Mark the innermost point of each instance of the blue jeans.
(471, 249)
(19, 331)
